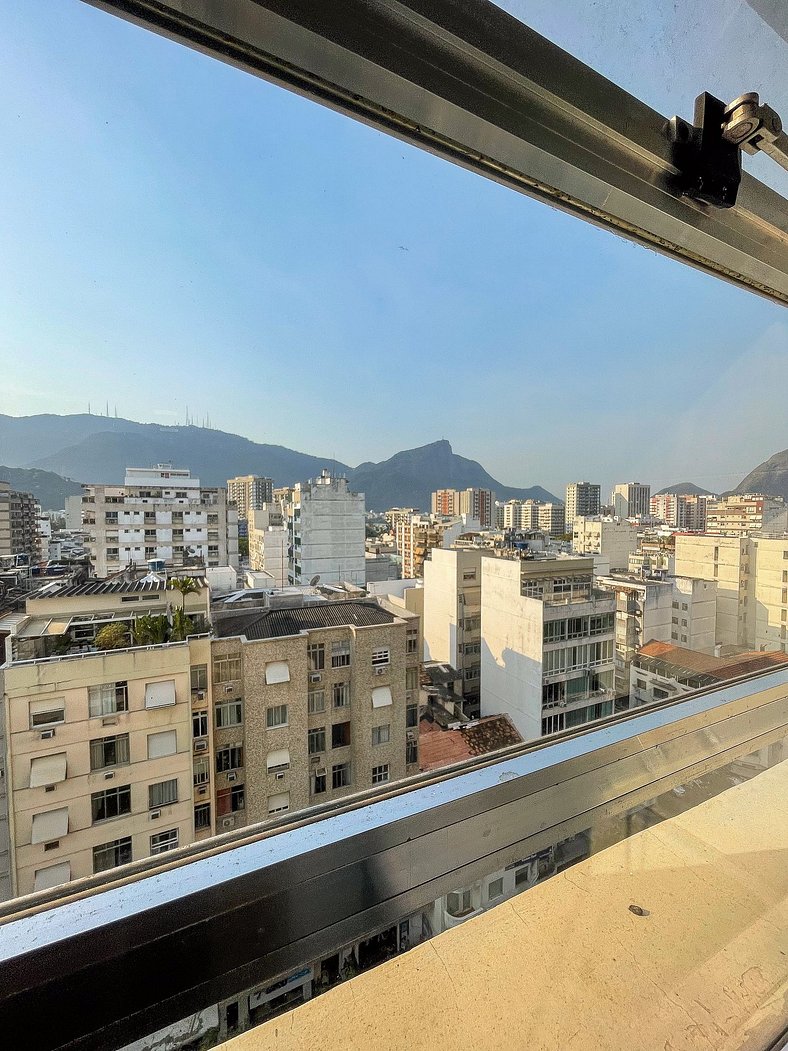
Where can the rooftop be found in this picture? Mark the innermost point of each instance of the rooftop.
(439, 747)
(276, 623)
(716, 669)
(115, 586)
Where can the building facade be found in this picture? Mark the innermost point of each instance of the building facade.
(19, 539)
(268, 544)
(612, 539)
(478, 504)
(249, 492)
(160, 514)
(417, 535)
(452, 616)
(326, 532)
(744, 515)
(631, 500)
(582, 498)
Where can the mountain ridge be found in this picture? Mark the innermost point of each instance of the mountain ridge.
(769, 477)
(685, 489)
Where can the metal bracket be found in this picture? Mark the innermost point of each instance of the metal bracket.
(709, 164)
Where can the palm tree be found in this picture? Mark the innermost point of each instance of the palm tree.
(182, 626)
(186, 586)
(151, 630)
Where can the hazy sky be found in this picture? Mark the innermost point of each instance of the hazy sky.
(176, 232)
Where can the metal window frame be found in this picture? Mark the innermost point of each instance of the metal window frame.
(469, 82)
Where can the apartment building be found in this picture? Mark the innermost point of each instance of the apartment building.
(19, 540)
(744, 515)
(249, 492)
(326, 527)
(547, 643)
(612, 539)
(417, 535)
(769, 608)
(521, 514)
(551, 519)
(452, 616)
(728, 561)
(631, 500)
(582, 499)
(160, 514)
(478, 504)
(268, 543)
(323, 702)
(677, 609)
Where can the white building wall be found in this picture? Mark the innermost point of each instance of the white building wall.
(611, 538)
(328, 531)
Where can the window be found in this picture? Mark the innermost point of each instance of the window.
(411, 752)
(231, 758)
(47, 769)
(381, 734)
(521, 876)
(199, 677)
(660, 695)
(162, 841)
(160, 694)
(553, 723)
(277, 672)
(381, 658)
(340, 693)
(47, 712)
(237, 798)
(200, 724)
(340, 735)
(278, 760)
(380, 774)
(163, 743)
(53, 876)
(495, 889)
(317, 740)
(227, 669)
(230, 800)
(411, 678)
(318, 782)
(202, 770)
(316, 701)
(640, 683)
(49, 826)
(316, 656)
(412, 641)
(163, 793)
(412, 715)
(276, 716)
(381, 697)
(110, 855)
(459, 903)
(340, 775)
(112, 802)
(279, 803)
(109, 751)
(108, 699)
(202, 817)
(229, 714)
(340, 654)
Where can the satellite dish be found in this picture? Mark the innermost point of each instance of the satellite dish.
(315, 580)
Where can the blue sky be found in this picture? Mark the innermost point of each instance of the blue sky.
(176, 232)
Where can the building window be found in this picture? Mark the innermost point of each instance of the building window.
(231, 758)
(340, 775)
(109, 751)
(47, 712)
(110, 855)
(162, 841)
(108, 699)
(202, 771)
(227, 669)
(340, 654)
(380, 774)
(163, 793)
(495, 889)
(277, 672)
(412, 715)
(340, 693)
(316, 701)
(381, 657)
(553, 723)
(229, 714)
(199, 677)
(317, 740)
(230, 800)
(316, 656)
(412, 641)
(340, 735)
(202, 817)
(200, 724)
(411, 678)
(660, 695)
(279, 803)
(318, 782)
(381, 734)
(276, 715)
(459, 903)
(163, 743)
(113, 802)
(411, 752)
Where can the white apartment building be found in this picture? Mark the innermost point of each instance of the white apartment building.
(547, 639)
(729, 562)
(160, 514)
(326, 526)
(73, 512)
(631, 500)
(582, 498)
(613, 539)
(744, 515)
(249, 492)
(268, 544)
(452, 614)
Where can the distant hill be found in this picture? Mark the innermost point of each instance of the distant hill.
(48, 488)
(684, 489)
(769, 477)
(99, 448)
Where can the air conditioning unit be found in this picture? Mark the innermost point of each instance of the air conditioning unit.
(280, 776)
(315, 677)
(315, 760)
(320, 772)
(232, 777)
(110, 720)
(229, 688)
(200, 746)
(154, 814)
(228, 822)
(202, 790)
(47, 734)
(381, 671)
(411, 735)
(109, 776)
(200, 695)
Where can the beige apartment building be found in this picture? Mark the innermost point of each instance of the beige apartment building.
(631, 500)
(268, 542)
(473, 502)
(249, 492)
(452, 615)
(612, 539)
(417, 535)
(582, 499)
(19, 538)
(744, 515)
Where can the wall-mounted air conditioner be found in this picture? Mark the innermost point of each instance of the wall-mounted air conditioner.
(47, 734)
(229, 688)
(315, 677)
(381, 671)
(232, 777)
(200, 746)
(202, 790)
(315, 759)
(154, 814)
(110, 720)
(228, 822)
(109, 776)
(200, 695)
(280, 775)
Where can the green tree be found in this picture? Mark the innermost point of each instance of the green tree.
(112, 637)
(182, 626)
(151, 629)
(186, 586)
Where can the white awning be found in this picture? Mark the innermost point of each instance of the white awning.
(161, 744)
(53, 876)
(277, 671)
(47, 769)
(279, 758)
(52, 824)
(381, 696)
(160, 694)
